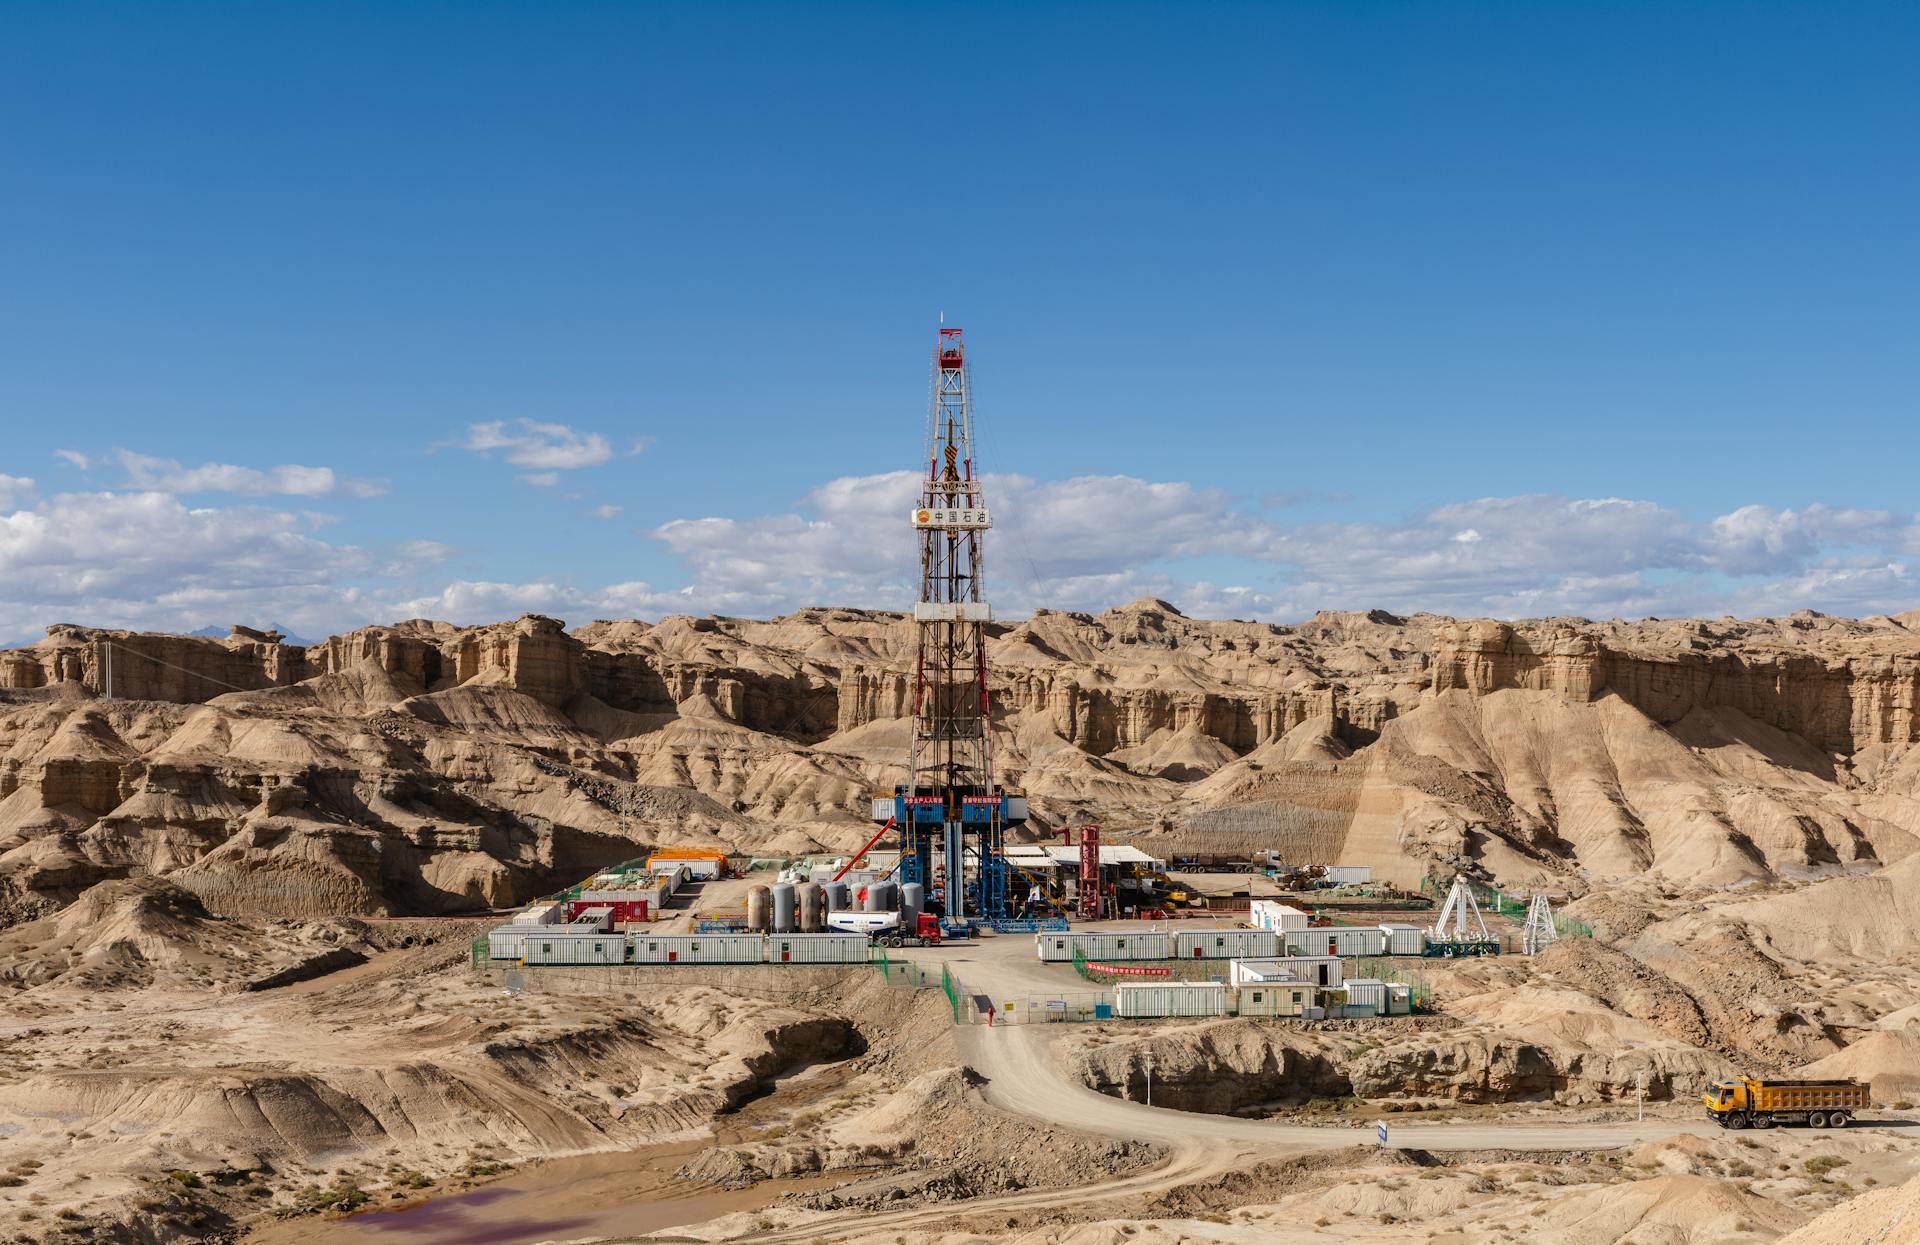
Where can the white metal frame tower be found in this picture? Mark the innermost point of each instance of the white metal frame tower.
(1539, 932)
(1464, 912)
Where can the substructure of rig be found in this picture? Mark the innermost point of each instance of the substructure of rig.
(950, 819)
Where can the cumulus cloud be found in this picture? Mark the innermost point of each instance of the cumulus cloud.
(15, 491)
(75, 457)
(541, 446)
(146, 473)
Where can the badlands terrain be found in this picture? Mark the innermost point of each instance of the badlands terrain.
(237, 1000)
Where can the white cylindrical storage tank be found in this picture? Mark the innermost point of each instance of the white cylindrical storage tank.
(784, 920)
(1404, 939)
(1169, 998)
(812, 908)
(839, 897)
(913, 901)
(759, 908)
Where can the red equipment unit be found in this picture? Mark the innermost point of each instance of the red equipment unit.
(623, 909)
(1089, 873)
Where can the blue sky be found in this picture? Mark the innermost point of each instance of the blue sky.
(350, 313)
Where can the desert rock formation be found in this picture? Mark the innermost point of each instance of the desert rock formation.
(425, 767)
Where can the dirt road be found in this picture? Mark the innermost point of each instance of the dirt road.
(1023, 1075)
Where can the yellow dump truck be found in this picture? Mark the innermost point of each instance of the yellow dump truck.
(1750, 1103)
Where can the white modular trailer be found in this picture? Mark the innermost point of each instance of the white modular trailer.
(1365, 992)
(1225, 944)
(698, 948)
(541, 914)
(817, 949)
(1399, 999)
(504, 942)
(1270, 998)
(566, 947)
(1169, 998)
(1276, 916)
(1057, 948)
(1315, 970)
(1338, 940)
(1349, 875)
(1253, 972)
(598, 920)
(656, 895)
(1405, 939)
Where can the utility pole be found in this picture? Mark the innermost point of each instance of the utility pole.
(1149, 1077)
(109, 663)
(1640, 1097)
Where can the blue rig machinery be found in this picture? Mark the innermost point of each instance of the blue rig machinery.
(951, 818)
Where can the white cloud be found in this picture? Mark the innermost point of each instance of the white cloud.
(165, 475)
(543, 446)
(75, 457)
(15, 491)
(541, 479)
(608, 511)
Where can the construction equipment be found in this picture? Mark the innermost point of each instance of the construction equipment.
(1089, 906)
(1461, 930)
(952, 817)
(1749, 1103)
(855, 858)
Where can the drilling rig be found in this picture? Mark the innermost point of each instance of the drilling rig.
(951, 817)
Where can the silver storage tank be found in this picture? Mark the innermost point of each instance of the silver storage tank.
(839, 897)
(889, 900)
(812, 906)
(913, 901)
(759, 903)
(869, 897)
(783, 921)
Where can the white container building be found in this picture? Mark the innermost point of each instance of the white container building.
(1399, 999)
(1105, 947)
(1225, 944)
(1273, 915)
(540, 914)
(817, 949)
(1271, 998)
(1366, 997)
(1315, 970)
(1405, 939)
(1349, 875)
(504, 942)
(1338, 940)
(564, 946)
(1169, 998)
(595, 920)
(699, 948)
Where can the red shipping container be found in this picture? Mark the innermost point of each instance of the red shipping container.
(623, 909)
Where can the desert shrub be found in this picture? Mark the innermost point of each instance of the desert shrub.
(1821, 1164)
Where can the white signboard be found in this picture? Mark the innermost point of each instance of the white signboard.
(967, 518)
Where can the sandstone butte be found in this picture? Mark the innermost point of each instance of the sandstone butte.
(425, 768)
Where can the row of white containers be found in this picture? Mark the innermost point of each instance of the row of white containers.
(1232, 944)
(1143, 999)
(566, 945)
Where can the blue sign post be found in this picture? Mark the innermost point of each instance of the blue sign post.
(1380, 1131)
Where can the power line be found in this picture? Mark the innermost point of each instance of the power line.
(110, 645)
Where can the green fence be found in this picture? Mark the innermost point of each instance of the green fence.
(482, 951)
(1571, 928)
(951, 988)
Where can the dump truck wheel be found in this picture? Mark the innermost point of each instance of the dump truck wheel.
(1764, 1121)
(1817, 1120)
(1736, 1120)
(1837, 1120)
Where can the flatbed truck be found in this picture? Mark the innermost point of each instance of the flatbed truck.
(1747, 1102)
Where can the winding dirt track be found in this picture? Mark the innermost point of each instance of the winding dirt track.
(1023, 1076)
